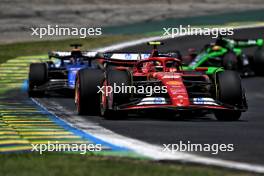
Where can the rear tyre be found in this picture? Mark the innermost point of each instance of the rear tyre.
(108, 101)
(230, 61)
(259, 61)
(229, 91)
(38, 75)
(86, 91)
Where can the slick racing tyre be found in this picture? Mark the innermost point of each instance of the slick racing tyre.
(114, 78)
(259, 61)
(230, 61)
(38, 75)
(229, 92)
(86, 91)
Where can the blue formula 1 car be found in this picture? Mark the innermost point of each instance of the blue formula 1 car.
(59, 72)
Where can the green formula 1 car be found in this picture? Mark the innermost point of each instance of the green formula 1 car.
(229, 54)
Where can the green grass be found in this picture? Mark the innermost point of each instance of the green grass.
(71, 164)
(9, 51)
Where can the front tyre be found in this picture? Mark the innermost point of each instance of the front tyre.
(38, 75)
(108, 100)
(86, 91)
(229, 87)
(259, 61)
(229, 91)
(105, 111)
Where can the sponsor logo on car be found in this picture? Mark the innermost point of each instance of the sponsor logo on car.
(204, 101)
(152, 101)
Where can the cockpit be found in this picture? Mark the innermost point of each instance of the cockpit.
(159, 65)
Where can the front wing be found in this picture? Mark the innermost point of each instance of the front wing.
(53, 84)
(195, 104)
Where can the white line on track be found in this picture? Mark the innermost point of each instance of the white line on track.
(155, 38)
(146, 149)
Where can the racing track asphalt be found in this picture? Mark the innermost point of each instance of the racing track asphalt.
(247, 135)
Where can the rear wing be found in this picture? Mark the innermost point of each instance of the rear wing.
(122, 56)
(119, 58)
(123, 59)
(126, 56)
(249, 42)
(68, 54)
(243, 43)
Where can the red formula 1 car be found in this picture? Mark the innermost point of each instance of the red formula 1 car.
(158, 83)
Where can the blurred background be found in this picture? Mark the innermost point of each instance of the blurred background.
(16, 16)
